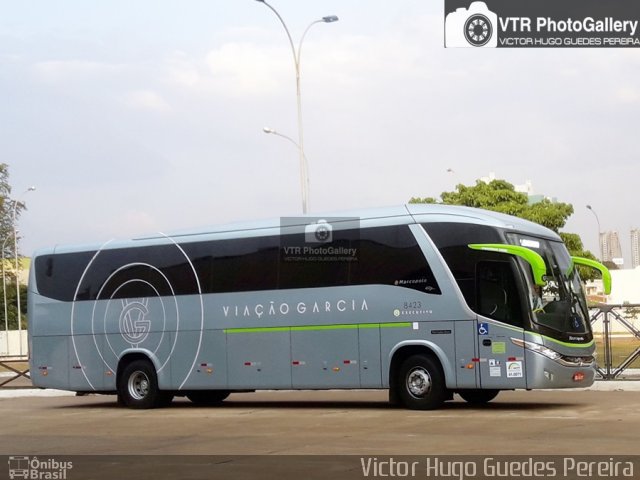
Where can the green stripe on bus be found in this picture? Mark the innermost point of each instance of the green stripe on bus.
(309, 328)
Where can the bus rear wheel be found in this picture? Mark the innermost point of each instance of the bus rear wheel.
(478, 397)
(420, 385)
(208, 397)
(138, 387)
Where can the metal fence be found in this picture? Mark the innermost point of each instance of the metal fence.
(14, 369)
(617, 333)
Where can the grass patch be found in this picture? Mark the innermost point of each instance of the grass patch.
(621, 348)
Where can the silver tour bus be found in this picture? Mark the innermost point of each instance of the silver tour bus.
(426, 301)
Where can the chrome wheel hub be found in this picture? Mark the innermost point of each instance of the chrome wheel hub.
(419, 382)
(138, 385)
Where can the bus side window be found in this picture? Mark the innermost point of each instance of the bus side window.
(390, 256)
(497, 293)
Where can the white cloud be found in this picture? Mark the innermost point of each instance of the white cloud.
(183, 71)
(232, 69)
(146, 100)
(132, 223)
(64, 70)
(628, 95)
(246, 69)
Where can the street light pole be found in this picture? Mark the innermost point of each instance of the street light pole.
(273, 131)
(599, 231)
(304, 167)
(4, 291)
(15, 247)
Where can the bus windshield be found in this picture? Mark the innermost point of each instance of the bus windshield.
(560, 305)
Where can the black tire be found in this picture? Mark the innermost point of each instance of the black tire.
(138, 386)
(420, 383)
(394, 400)
(478, 397)
(208, 397)
(164, 399)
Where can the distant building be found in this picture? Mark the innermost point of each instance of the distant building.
(635, 247)
(610, 248)
(625, 287)
(625, 291)
(533, 197)
(526, 188)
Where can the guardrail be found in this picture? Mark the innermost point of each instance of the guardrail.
(618, 327)
(18, 368)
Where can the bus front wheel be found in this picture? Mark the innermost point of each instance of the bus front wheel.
(138, 386)
(420, 385)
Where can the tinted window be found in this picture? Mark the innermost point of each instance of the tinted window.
(237, 265)
(57, 275)
(384, 255)
(391, 256)
(315, 264)
(135, 272)
(498, 296)
(452, 239)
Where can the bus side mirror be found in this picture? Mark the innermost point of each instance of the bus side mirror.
(538, 267)
(604, 271)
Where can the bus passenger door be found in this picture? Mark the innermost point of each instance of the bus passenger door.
(500, 318)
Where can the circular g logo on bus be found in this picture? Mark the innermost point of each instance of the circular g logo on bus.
(133, 300)
(134, 324)
(138, 301)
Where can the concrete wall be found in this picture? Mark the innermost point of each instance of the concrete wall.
(10, 343)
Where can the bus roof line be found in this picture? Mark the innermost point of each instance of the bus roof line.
(212, 231)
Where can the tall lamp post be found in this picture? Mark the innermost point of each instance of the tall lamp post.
(273, 131)
(304, 167)
(4, 291)
(15, 247)
(599, 231)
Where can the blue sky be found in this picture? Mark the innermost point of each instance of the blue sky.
(134, 117)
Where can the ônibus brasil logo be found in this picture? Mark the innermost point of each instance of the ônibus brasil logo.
(35, 468)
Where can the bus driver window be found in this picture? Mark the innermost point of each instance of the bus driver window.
(497, 293)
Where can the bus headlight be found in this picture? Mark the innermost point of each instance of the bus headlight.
(536, 347)
(565, 360)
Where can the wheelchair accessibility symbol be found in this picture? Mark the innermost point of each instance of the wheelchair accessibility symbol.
(483, 329)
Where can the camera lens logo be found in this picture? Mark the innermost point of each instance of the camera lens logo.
(471, 27)
(318, 232)
(478, 30)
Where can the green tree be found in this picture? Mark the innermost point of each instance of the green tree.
(576, 248)
(12, 306)
(501, 196)
(8, 208)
